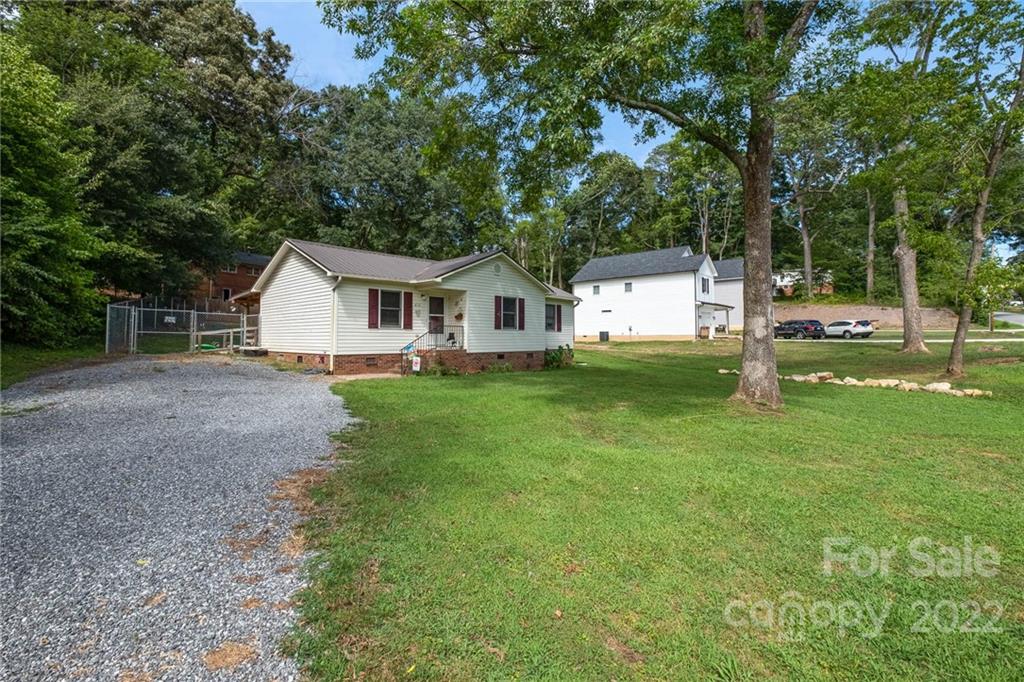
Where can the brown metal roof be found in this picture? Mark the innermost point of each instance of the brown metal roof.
(443, 267)
(561, 293)
(341, 260)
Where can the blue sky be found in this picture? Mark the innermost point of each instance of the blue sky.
(324, 56)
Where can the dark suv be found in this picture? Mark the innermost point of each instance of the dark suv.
(800, 329)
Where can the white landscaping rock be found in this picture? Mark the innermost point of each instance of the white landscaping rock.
(938, 387)
(798, 377)
(723, 371)
(976, 393)
(908, 386)
(824, 376)
(850, 380)
(888, 383)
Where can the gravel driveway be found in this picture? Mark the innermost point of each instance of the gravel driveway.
(139, 537)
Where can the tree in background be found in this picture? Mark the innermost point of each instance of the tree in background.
(361, 169)
(900, 94)
(813, 160)
(542, 72)
(46, 295)
(985, 48)
(175, 99)
(698, 197)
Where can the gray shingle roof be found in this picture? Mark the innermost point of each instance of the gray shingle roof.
(663, 261)
(731, 268)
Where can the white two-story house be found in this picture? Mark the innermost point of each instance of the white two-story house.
(666, 294)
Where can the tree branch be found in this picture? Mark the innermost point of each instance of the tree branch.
(683, 121)
(791, 43)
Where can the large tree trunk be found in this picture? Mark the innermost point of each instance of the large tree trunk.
(870, 287)
(805, 238)
(906, 259)
(759, 380)
(955, 366)
(704, 214)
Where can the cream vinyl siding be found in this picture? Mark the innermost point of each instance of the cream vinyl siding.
(564, 337)
(482, 282)
(658, 305)
(354, 334)
(295, 308)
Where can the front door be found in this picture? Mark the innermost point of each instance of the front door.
(436, 314)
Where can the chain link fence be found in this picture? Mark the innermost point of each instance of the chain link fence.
(135, 327)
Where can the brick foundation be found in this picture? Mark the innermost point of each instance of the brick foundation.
(479, 362)
(382, 363)
(309, 359)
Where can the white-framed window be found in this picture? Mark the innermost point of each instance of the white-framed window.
(597, 290)
(230, 269)
(628, 287)
(253, 270)
(550, 317)
(390, 309)
(509, 312)
(705, 285)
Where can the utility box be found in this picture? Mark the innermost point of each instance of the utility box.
(603, 337)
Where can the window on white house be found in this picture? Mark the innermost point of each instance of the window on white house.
(629, 287)
(253, 271)
(549, 317)
(597, 290)
(705, 285)
(232, 269)
(509, 310)
(390, 309)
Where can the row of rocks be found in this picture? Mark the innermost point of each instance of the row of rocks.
(943, 387)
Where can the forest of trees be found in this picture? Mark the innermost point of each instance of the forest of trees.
(144, 141)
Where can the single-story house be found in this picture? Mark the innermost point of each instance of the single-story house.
(729, 290)
(666, 294)
(356, 311)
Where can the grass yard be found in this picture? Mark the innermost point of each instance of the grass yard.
(18, 362)
(596, 522)
(936, 335)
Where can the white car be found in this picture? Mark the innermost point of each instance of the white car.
(849, 329)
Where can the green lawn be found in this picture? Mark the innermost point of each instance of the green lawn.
(929, 335)
(596, 522)
(18, 362)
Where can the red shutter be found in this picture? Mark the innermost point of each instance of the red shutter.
(407, 310)
(373, 316)
(522, 314)
(497, 312)
(558, 317)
